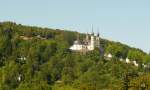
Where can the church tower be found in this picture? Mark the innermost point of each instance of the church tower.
(87, 37)
(97, 41)
(92, 41)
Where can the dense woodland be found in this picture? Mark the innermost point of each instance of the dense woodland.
(33, 58)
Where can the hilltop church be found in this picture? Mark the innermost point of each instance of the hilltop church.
(90, 42)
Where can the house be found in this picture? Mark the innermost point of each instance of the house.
(121, 59)
(144, 65)
(22, 58)
(40, 37)
(135, 63)
(127, 60)
(19, 77)
(26, 38)
(108, 56)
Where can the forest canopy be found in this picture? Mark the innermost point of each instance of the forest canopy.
(34, 58)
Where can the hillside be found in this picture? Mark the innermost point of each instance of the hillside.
(34, 58)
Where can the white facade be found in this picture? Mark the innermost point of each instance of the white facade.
(86, 45)
(92, 43)
(108, 56)
(76, 47)
(121, 59)
(127, 60)
(144, 65)
(135, 63)
(22, 58)
(19, 78)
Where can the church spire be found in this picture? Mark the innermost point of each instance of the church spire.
(87, 36)
(92, 31)
(98, 32)
(97, 39)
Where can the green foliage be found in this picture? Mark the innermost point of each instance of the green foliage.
(142, 82)
(146, 59)
(42, 61)
(136, 55)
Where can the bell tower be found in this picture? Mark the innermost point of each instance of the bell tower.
(97, 43)
(92, 40)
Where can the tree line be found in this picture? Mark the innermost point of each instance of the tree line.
(48, 64)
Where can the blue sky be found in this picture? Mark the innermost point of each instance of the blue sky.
(126, 21)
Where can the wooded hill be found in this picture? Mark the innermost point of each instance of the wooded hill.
(34, 58)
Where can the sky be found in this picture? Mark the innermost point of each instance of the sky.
(125, 21)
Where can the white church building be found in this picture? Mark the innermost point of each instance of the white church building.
(88, 44)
